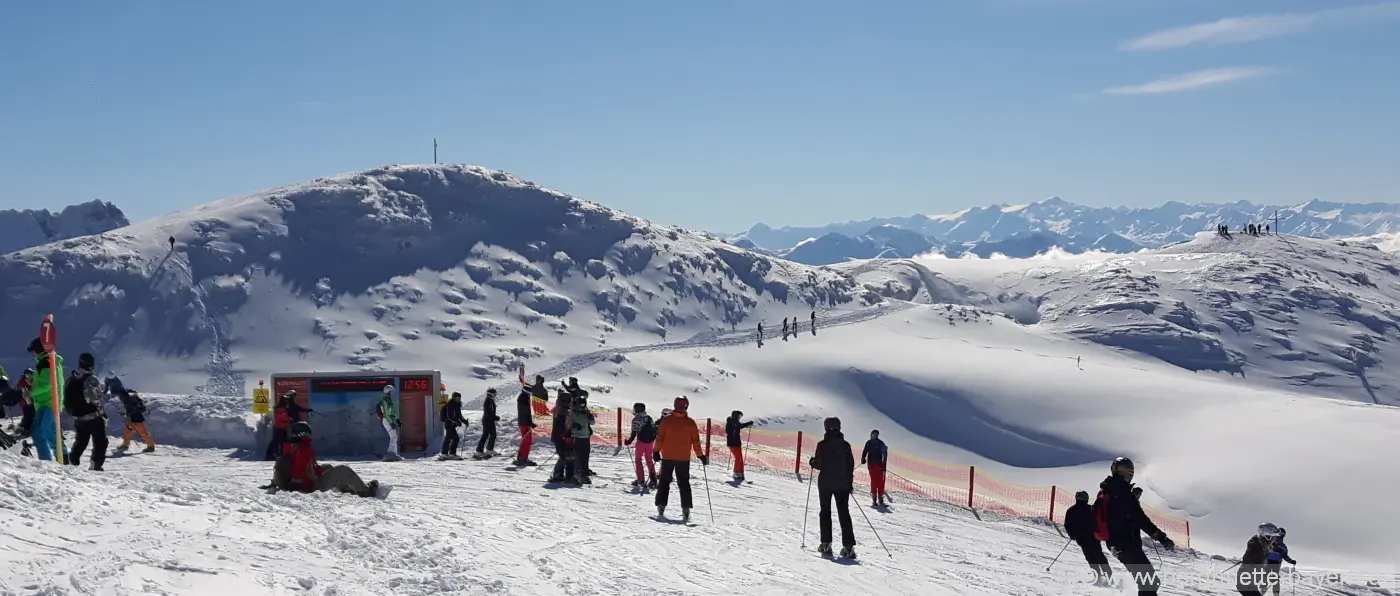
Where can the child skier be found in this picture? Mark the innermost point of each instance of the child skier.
(876, 454)
(732, 428)
(297, 470)
(1277, 555)
(486, 447)
(134, 413)
(644, 433)
(388, 413)
(451, 416)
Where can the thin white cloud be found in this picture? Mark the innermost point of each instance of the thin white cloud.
(1191, 81)
(1253, 28)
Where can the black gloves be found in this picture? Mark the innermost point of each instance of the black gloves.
(628, 442)
(1166, 542)
(704, 461)
(656, 455)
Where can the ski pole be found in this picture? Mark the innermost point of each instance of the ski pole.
(705, 469)
(1159, 554)
(807, 509)
(1229, 568)
(872, 531)
(1057, 557)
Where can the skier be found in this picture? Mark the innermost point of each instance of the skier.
(486, 447)
(1121, 519)
(297, 470)
(559, 436)
(833, 459)
(10, 396)
(134, 413)
(814, 323)
(388, 413)
(644, 433)
(26, 387)
(172, 244)
(82, 399)
(676, 437)
(525, 417)
(732, 427)
(581, 429)
(876, 454)
(1079, 524)
(281, 421)
(785, 329)
(451, 416)
(1253, 576)
(42, 396)
(1277, 555)
(760, 335)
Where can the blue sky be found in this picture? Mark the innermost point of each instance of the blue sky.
(713, 114)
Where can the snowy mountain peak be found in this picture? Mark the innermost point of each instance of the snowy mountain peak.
(23, 229)
(392, 267)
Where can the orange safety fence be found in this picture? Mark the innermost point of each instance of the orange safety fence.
(782, 453)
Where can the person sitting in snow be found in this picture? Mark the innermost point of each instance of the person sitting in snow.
(1080, 525)
(296, 469)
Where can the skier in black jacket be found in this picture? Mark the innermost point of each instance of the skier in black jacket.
(82, 398)
(732, 427)
(525, 417)
(559, 432)
(1080, 524)
(1125, 521)
(486, 447)
(1254, 576)
(837, 466)
(451, 419)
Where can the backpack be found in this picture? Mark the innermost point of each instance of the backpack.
(379, 409)
(647, 433)
(1101, 516)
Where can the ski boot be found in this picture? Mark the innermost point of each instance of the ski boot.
(392, 457)
(638, 484)
(556, 479)
(847, 552)
(660, 511)
(371, 490)
(875, 503)
(651, 484)
(824, 549)
(149, 449)
(882, 500)
(685, 515)
(585, 480)
(442, 457)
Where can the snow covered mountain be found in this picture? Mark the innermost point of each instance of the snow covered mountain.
(1143, 227)
(23, 229)
(1310, 315)
(459, 267)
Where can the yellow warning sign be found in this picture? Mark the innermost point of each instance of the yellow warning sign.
(262, 401)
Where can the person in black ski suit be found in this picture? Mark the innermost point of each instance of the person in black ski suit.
(837, 465)
(732, 439)
(451, 416)
(82, 398)
(564, 453)
(1080, 524)
(1125, 521)
(487, 445)
(1254, 577)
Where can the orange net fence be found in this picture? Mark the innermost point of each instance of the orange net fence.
(783, 453)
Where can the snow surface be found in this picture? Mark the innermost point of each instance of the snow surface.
(27, 228)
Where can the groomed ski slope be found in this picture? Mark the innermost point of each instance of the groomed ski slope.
(187, 521)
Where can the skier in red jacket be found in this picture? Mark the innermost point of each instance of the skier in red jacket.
(296, 469)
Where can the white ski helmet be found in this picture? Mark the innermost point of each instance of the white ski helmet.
(388, 390)
(1268, 530)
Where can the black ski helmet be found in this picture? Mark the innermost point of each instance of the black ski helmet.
(1122, 466)
(874, 433)
(1081, 497)
(86, 361)
(456, 396)
(832, 424)
(299, 430)
(639, 407)
(491, 392)
(36, 346)
(736, 414)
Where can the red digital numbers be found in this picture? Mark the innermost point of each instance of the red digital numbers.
(417, 384)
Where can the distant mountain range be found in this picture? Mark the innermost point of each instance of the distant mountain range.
(1027, 230)
(24, 229)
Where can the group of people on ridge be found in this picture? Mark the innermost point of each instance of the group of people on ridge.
(84, 400)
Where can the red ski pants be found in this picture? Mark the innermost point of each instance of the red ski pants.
(877, 480)
(527, 438)
(738, 453)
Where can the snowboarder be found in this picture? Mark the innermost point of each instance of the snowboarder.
(874, 455)
(486, 446)
(559, 435)
(644, 434)
(732, 427)
(833, 459)
(525, 416)
(814, 323)
(42, 395)
(1253, 576)
(1277, 555)
(581, 430)
(388, 413)
(1079, 524)
(1121, 519)
(82, 399)
(296, 469)
(676, 437)
(451, 416)
(134, 413)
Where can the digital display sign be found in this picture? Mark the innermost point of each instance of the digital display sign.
(418, 384)
(350, 384)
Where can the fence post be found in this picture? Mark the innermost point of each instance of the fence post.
(709, 423)
(971, 482)
(619, 426)
(1053, 489)
(797, 463)
(1188, 533)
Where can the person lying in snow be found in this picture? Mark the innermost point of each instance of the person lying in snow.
(296, 469)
